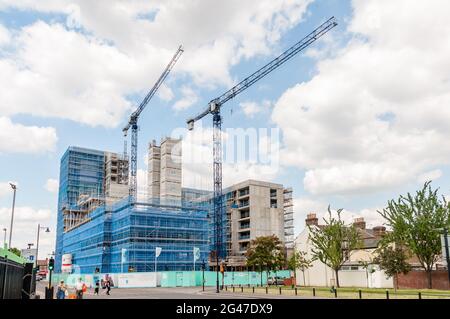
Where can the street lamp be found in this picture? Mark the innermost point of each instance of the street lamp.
(445, 248)
(203, 275)
(47, 230)
(14, 187)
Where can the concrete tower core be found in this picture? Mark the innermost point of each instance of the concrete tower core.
(164, 171)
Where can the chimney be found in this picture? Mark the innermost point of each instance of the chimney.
(311, 219)
(359, 223)
(379, 231)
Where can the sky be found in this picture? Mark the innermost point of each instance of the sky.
(357, 119)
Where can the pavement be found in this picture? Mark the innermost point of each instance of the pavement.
(165, 293)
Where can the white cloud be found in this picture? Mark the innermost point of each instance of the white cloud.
(189, 98)
(52, 185)
(252, 108)
(141, 178)
(374, 116)
(430, 176)
(17, 138)
(306, 205)
(99, 63)
(197, 160)
(165, 93)
(5, 37)
(26, 220)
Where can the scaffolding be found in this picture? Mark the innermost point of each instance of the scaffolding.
(288, 206)
(123, 237)
(81, 173)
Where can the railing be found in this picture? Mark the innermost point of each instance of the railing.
(327, 292)
(14, 277)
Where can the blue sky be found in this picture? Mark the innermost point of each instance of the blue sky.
(371, 127)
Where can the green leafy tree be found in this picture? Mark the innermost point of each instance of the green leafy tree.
(299, 260)
(332, 242)
(15, 251)
(393, 261)
(265, 253)
(415, 222)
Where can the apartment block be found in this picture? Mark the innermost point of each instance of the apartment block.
(254, 209)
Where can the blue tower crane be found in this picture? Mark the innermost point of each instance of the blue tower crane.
(133, 123)
(214, 107)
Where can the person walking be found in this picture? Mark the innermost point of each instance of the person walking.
(79, 288)
(108, 286)
(97, 287)
(61, 291)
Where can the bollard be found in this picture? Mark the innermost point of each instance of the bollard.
(253, 289)
(296, 291)
(314, 292)
(233, 288)
(420, 295)
(360, 294)
(242, 288)
(335, 292)
(267, 290)
(226, 288)
(387, 294)
(280, 290)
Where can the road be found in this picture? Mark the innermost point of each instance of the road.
(164, 293)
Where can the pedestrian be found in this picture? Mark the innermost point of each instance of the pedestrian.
(97, 287)
(61, 291)
(108, 286)
(79, 288)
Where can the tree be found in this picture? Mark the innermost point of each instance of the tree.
(333, 242)
(415, 222)
(265, 253)
(393, 261)
(299, 260)
(15, 251)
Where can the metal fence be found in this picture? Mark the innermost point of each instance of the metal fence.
(16, 280)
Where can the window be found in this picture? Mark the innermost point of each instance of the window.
(244, 191)
(273, 203)
(244, 225)
(244, 235)
(245, 214)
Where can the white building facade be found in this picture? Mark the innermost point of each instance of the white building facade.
(352, 273)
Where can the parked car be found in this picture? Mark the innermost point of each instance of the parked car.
(39, 277)
(275, 281)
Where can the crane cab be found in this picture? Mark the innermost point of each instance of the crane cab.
(190, 125)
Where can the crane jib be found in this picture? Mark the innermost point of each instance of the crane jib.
(269, 67)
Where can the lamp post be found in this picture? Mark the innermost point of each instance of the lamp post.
(47, 230)
(445, 249)
(14, 188)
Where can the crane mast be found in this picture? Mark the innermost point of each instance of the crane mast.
(214, 107)
(133, 124)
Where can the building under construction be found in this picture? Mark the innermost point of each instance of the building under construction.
(101, 229)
